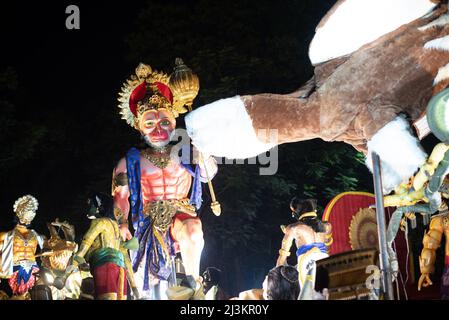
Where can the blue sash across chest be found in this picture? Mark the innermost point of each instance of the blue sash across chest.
(157, 262)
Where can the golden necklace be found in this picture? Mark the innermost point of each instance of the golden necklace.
(159, 157)
(307, 214)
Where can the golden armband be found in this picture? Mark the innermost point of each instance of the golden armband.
(284, 253)
(119, 180)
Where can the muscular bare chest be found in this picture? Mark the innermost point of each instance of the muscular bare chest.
(171, 182)
(25, 246)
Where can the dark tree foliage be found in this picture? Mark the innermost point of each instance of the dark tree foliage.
(18, 136)
(68, 85)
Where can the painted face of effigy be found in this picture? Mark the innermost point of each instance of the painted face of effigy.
(27, 217)
(157, 127)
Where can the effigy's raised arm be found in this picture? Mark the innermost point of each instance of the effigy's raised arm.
(245, 126)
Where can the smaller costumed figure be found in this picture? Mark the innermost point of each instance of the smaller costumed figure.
(439, 226)
(312, 238)
(63, 279)
(212, 284)
(18, 249)
(281, 283)
(103, 249)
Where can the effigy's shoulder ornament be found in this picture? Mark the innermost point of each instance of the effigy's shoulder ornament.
(438, 114)
(150, 89)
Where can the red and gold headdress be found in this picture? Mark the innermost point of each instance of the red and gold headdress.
(149, 89)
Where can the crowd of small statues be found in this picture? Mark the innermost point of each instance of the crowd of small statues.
(34, 266)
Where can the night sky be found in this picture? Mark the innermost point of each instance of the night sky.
(64, 78)
(68, 82)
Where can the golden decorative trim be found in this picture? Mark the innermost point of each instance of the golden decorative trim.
(121, 284)
(331, 205)
(162, 212)
(160, 160)
(363, 223)
(312, 214)
(108, 296)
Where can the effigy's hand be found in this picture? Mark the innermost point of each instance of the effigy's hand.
(198, 156)
(207, 163)
(125, 233)
(424, 281)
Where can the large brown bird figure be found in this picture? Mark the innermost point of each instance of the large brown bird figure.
(377, 65)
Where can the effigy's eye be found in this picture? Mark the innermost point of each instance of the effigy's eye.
(165, 122)
(149, 123)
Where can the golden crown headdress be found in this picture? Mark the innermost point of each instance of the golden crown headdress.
(149, 89)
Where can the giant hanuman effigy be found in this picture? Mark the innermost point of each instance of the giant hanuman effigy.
(151, 186)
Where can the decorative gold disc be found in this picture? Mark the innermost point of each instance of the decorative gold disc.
(363, 230)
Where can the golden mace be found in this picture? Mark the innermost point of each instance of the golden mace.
(185, 86)
(215, 205)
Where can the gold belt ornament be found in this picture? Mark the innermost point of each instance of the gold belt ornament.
(162, 212)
